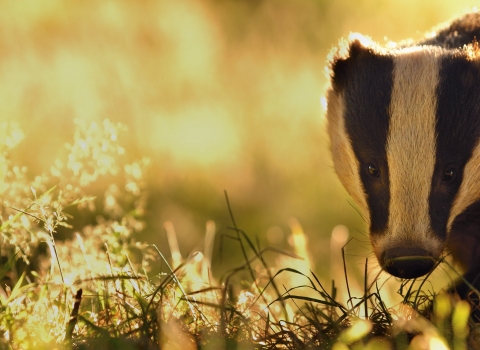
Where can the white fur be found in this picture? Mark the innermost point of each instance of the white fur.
(411, 150)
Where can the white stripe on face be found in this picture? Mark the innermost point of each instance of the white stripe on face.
(411, 151)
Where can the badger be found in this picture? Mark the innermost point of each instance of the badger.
(404, 128)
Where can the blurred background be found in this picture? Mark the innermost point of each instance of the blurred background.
(221, 95)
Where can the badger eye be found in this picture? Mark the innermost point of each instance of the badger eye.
(448, 174)
(373, 170)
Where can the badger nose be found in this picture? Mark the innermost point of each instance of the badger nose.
(407, 262)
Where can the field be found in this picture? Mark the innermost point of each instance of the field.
(169, 160)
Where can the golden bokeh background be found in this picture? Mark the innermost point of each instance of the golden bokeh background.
(219, 94)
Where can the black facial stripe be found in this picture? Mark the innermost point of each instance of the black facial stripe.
(467, 223)
(367, 96)
(457, 129)
(464, 238)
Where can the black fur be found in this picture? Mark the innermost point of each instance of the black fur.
(457, 128)
(465, 238)
(463, 31)
(365, 79)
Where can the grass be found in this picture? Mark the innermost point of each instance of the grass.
(99, 287)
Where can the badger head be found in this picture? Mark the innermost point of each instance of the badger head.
(404, 126)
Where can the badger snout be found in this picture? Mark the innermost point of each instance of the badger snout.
(407, 262)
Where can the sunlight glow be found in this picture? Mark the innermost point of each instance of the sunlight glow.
(198, 133)
(356, 332)
(218, 95)
(173, 243)
(437, 344)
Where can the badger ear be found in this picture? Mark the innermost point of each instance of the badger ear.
(344, 57)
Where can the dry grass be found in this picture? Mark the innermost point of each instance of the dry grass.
(97, 289)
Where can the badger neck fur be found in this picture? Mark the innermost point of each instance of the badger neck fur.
(404, 126)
